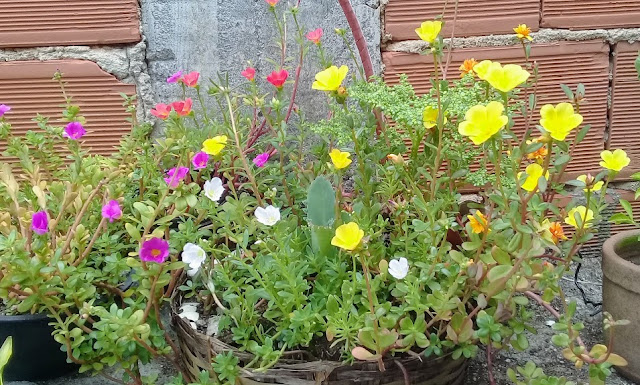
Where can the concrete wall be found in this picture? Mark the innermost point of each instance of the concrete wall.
(221, 36)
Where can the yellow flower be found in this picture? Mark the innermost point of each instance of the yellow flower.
(467, 67)
(534, 171)
(522, 32)
(506, 78)
(429, 31)
(330, 79)
(614, 161)
(583, 212)
(430, 117)
(540, 153)
(478, 222)
(214, 145)
(595, 187)
(558, 121)
(482, 68)
(481, 122)
(348, 236)
(340, 159)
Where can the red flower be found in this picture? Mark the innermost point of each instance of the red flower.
(277, 78)
(190, 79)
(272, 2)
(315, 36)
(161, 111)
(249, 73)
(183, 108)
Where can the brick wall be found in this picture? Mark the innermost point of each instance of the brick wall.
(90, 42)
(592, 42)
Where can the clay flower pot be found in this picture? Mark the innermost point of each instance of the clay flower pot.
(621, 296)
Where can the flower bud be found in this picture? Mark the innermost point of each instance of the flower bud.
(340, 31)
(396, 159)
(341, 95)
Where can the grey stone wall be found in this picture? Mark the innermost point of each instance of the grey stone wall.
(218, 36)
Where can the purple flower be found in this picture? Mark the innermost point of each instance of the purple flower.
(200, 160)
(261, 159)
(40, 222)
(112, 211)
(175, 77)
(154, 250)
(175, 176)
(74, 131)
(4, 109)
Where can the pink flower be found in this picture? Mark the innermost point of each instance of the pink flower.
(74, 131)
(261, 159)
(315, 36)
(272, 2)
(154, 250)
(200, 160)
(190, 79)
(249, 73)
(4, 109)
(277, 78)
(40, 222)
(175, 77)
(183, 108)
(112, 211)
(161, 111)
(175, 176)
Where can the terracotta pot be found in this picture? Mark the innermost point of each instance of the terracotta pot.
(621, 296)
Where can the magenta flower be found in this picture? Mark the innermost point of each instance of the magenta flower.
(40, 222)
(200, 160)
(175, 176)
(74, 131)
(4, 109)
(154, 250)
(175, 77)
(112, 211)
(261, 159)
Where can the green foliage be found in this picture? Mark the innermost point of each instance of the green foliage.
(5, 354)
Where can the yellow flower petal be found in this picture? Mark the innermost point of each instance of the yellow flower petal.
(506, 78)
(214, 145)
(478, 222)
(348, 236)
(534, 172)
(614, 161)
(330, 79)
(481, 122)
(430, 117)
(583, 212)
(429, 31)
(558, 121)
(482, 68)
(340, 159)
(596, 187)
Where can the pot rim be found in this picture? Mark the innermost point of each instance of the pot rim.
(24, 317)
(617, 269)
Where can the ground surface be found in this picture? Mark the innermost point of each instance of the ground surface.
(541, 351)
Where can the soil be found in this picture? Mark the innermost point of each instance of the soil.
(541, 351)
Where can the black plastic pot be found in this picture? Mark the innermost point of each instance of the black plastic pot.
(36, 355)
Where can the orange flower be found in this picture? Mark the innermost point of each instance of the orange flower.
(557, 233)
(467, 67)
(478, 222)
(522, 32)
(540, 153)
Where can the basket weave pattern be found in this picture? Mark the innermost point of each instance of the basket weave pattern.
(197, 351)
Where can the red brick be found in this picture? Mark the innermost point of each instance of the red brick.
(29, 89)
(475, 18)
(33, 23)
(563, 62)
(625, 114)
(588, 14)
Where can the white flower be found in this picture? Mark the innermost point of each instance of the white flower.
(399, 268)
(213, 189)
(189, 311)
(194, 256)
(268, 216)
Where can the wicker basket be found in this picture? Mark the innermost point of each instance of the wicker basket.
(198, 349)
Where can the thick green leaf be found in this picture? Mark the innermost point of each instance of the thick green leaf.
(321, 201)
(498, 272)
